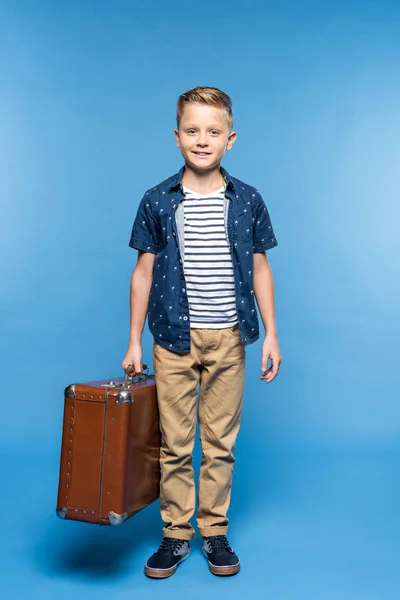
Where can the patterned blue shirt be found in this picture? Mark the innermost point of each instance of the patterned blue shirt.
(159, 228)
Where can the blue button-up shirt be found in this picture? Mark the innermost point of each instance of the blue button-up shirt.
(159, 228)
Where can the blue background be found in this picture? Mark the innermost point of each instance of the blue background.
(88, 92)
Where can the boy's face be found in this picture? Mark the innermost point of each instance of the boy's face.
(203, 136)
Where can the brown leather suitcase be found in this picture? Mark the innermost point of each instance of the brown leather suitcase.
(110, 451)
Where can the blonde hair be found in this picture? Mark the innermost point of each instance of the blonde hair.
(205, 95)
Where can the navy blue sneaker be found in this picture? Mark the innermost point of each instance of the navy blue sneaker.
(221, 558)
(164, 562)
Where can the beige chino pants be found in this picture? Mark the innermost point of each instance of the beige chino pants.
(216, 361)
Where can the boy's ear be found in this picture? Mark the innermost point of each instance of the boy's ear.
(231, 139)
(176, 133)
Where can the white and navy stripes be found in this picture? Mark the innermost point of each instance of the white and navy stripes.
(208, 265)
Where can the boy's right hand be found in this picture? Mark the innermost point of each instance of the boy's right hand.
(133, 357)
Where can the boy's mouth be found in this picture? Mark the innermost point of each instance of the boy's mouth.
(202, 153)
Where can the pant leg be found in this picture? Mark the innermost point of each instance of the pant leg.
(177, 378)
(220, 409)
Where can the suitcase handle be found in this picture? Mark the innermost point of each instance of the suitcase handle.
(130, 373)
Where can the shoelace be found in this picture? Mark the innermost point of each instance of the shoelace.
(170, 544)
(219, 541)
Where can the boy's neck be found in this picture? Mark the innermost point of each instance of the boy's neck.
(203, 183)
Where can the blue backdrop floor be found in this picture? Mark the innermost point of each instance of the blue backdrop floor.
(305, 525)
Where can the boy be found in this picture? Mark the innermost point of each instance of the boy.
(201, 236)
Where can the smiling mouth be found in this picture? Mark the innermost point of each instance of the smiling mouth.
(202, 153)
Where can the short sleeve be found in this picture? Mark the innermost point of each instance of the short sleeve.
(144, 235)
(263, 233)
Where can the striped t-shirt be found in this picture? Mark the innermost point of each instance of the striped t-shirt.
(208, 265)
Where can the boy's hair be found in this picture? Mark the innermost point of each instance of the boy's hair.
(205, 95)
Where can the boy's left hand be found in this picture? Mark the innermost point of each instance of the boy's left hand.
(270, 350)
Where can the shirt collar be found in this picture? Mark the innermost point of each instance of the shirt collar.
(176, 180)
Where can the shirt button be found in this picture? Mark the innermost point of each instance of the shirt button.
(185, 318)
(183, 290)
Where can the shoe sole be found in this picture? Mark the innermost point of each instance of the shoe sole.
(163, 573)
(222, 571)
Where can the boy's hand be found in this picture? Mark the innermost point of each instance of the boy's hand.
(133, 357)
(270, 350)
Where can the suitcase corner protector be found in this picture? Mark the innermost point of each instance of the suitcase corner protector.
(61, 512)
(116, 519)
(69, 391)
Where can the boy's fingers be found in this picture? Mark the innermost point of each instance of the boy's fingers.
(275, 365)
(264, 363)
(265, 372)
(128, 368)
(132, 368)
(272, 372)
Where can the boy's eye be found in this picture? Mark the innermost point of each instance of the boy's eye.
(213, 131)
